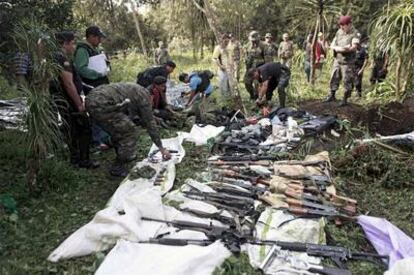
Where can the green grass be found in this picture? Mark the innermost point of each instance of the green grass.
(72, 197)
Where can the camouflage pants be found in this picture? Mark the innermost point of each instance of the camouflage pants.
(345, 72)
(123, 131)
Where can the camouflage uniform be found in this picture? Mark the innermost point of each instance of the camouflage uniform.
(254, 57)
(161, 56)
(103, 105)
(270, 52)
(285, 53)
(344, 64)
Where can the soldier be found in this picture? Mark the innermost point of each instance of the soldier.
(200, 90)
(270, 48)
(270, 76)
(84, 51)
(161, 55)
(254, 57)
(379, 67)
(360, 64)
(235, 55)
(221, 57)
(345, 57)
(163, 112)
(285, 52)
(114, 106)
(146, 77)
(66, 90)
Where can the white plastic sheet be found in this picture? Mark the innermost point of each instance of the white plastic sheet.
(279, 226)
(200, 135)
(402, 267)
(135, 259)
(112, 224)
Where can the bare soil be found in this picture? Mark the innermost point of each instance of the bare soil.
(391, 119)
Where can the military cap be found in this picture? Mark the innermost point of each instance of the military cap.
(94, 30)
(64, 36)
(254, 36)
(268, 35)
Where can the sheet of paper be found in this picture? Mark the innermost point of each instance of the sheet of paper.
(98, 64)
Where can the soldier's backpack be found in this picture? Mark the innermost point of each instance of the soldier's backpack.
(146, 77)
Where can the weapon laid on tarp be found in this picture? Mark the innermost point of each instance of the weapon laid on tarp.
(340, 255)
(298, 264)
(247, 158)
(234, 200)
(267, 163)
(310, 213)
(256, 190)
(233, 174)
(214, 216)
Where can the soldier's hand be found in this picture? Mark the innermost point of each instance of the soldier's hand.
(166, 155)
(81, 108)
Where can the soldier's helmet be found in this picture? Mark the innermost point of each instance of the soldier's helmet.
(254, 36)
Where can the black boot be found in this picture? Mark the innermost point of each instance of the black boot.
(331, 97)
(282, 99)
(119, 169)
(344, 101)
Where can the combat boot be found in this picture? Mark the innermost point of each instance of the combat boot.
(118, 169)
(331, 97)
(344, 101)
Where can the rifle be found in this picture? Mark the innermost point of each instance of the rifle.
(300, 264)
(254, 189)
(206, 215)
(232, 174)
(268, 164)
(248, 158)
(230, 199)
(340, 255)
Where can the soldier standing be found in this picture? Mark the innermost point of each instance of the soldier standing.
(345, 57)
(221, 59)
(235, 55)
(285, 52)
(114, 106)
(254, 57)
(161, 55)
(270, 49)
(360, 64)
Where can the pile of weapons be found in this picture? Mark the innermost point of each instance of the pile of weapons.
(251, 139)
(307, 193)
(239, 183)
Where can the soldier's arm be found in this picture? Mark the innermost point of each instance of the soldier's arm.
(70, 89)
(216, 57)
(263, 89)
(147, 119)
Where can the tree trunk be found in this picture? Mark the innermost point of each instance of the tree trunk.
(214, 25)
(137, 26)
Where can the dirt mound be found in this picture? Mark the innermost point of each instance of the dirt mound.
(391, 119)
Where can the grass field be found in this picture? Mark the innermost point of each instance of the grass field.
(381, 181)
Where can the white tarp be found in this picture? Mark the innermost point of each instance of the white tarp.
(199, 135)
(128, 258)
(279, 226)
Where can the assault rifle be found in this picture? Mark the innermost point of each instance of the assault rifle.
(340, 255)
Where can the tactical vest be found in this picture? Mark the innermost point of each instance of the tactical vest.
(254, 55)
(92, 82)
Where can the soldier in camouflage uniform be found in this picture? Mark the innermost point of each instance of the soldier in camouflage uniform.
(254, 57)
(285, 51)
(345, 58)
(270, 53)
(114, 107)
(161, 55)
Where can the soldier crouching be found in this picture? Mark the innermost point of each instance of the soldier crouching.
(113, 106)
